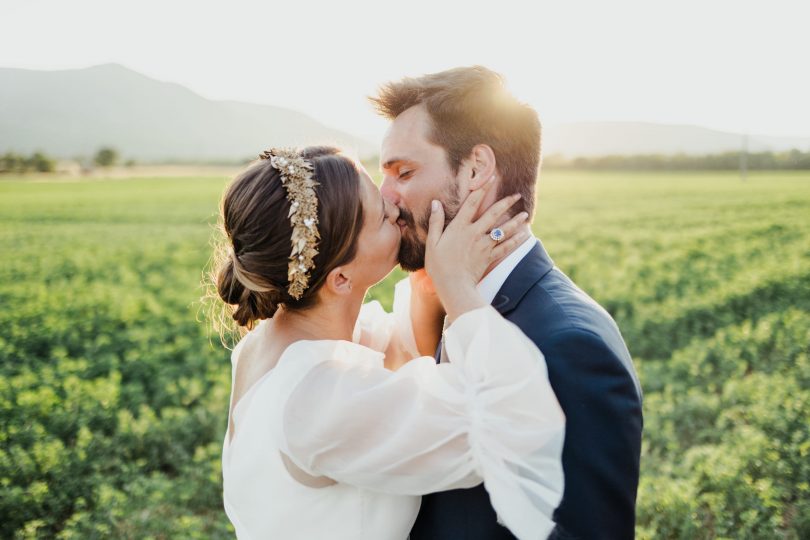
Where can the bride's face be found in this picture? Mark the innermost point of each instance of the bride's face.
(378, 242)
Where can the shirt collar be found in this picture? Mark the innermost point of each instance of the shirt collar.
(492, 282)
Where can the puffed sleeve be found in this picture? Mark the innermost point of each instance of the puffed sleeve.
(391, 333)
(489, 414)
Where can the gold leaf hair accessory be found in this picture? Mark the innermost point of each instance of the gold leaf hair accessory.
(296, 176)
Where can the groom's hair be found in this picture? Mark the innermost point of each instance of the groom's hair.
(469, 106)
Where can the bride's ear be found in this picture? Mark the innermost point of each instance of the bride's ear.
(339, 281)
(482, 165)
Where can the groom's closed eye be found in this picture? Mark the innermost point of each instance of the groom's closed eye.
(400, 167)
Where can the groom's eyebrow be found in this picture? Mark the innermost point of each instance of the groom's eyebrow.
(395, 161)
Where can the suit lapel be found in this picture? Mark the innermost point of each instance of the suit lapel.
(529, 271)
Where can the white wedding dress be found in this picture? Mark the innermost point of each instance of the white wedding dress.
(387, 437)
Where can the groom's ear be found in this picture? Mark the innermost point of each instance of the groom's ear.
(338, 281)
(482, 165)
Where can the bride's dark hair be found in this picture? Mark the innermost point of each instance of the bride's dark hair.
(252, 261)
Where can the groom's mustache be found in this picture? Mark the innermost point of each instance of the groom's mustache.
(412, 248)
(410, 222)
(406, 216)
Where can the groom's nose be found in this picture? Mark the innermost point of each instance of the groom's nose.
(393, 212)
(389, 191)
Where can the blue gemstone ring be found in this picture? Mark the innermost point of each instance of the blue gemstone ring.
(497, 234)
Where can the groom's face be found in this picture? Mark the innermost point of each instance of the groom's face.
(415, 172)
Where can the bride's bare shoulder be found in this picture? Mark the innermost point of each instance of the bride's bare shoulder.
(258, 353)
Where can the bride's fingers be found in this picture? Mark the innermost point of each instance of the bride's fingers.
(436, 223)
(473, 201)
(512, 226)
(505, 247)
(509, 230)
(495, 212)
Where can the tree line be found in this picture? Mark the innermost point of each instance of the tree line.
(728, 161)
(14, 163)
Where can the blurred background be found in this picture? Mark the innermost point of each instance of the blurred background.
(675, 189)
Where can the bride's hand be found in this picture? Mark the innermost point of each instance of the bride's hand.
(457, 257)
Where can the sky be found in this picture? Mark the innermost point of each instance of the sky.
(739, 66)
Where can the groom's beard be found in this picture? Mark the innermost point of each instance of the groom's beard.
(412, 247)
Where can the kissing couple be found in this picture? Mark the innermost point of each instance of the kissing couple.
(497, 400)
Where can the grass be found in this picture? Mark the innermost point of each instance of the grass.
(113, 395)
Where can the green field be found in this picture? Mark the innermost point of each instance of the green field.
(113, 395)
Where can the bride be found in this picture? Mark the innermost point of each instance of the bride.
(337, 424)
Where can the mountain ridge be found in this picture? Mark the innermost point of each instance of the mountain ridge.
(147, 119)
(73, 112)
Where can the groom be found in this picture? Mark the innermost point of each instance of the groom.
(450, 132)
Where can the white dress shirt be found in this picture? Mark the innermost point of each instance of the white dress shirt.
(492, 282)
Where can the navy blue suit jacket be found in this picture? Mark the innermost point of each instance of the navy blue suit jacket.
(592, 375)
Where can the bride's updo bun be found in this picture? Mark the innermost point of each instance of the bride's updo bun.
(250, 304)
(252, 271)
